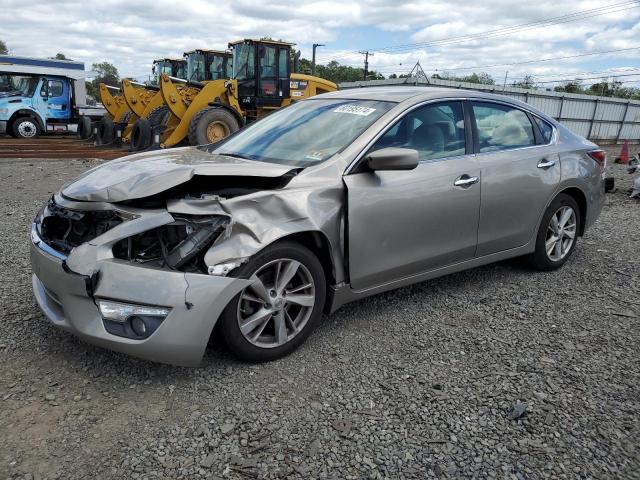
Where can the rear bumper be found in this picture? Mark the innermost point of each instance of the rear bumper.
(196, 301)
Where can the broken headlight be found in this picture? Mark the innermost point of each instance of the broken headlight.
(64, 229)
(179, 245)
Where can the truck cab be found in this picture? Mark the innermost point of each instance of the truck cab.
(38, 96)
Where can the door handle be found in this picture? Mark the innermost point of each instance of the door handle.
(546, 163)
(465, 181)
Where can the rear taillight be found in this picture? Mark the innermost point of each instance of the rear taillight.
(600, 156)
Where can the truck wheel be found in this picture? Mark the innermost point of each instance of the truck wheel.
(106, 131)
(84, 127)
(211, 125)
(26, 127)
(141, 135)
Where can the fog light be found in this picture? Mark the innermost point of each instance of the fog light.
(129, 320)
(138, 326)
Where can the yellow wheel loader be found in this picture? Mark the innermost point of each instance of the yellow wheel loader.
(135, 100)
(202, 68)
(262, 82)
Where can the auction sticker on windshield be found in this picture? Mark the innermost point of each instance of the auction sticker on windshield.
(355, 110)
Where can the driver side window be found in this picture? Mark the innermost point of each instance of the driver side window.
(434, 130)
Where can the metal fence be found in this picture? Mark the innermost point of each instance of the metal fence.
(601, 119)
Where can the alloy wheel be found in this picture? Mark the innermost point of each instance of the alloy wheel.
(561, 233)
(279, 303)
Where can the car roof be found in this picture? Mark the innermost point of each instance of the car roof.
(402, 93)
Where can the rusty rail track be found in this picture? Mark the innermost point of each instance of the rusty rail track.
(55, 148)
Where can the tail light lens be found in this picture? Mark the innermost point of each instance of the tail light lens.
(600, 156)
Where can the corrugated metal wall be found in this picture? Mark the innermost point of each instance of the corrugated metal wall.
(602, 119)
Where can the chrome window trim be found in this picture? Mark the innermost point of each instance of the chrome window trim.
(409, 109)
(393, 121)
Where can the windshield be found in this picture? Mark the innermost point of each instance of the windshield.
(162, 67)
(18, 84)
(180, 70)
(243, 61)
(195, 67)
(217, 67)
(305, 133)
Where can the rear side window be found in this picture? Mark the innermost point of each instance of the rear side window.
(501, 127)
(546, 130)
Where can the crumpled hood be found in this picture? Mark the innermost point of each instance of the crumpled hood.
(145, 174)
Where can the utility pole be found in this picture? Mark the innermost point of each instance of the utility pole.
(313, 57)
(366, 54)
(504, 84)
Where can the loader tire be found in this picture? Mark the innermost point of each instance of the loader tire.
(106, 131)
(159, 116)
(210, 125)
(141, 135)
(84, 127)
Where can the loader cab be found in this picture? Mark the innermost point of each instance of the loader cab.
(205, 65)
(174, 67)
(262, 70)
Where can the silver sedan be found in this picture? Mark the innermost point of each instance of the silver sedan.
(329, 200)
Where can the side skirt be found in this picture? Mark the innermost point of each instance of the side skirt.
(343, 294)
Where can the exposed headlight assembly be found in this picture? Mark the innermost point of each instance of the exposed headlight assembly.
(176, 245)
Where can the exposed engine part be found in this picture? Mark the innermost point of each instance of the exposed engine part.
(222, 269)
(177, 246)
(64, 229)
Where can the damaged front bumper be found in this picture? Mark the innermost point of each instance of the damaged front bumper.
(69, 287)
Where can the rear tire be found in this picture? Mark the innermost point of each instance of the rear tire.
(300, 275)
(84, 127)
(141, 135)
(210, 125)
(25, 127)
(557, 234)
(106, 131)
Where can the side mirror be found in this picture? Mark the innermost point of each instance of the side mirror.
(393, 158)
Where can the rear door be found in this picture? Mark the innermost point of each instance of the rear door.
(520, 171)
(402, 223)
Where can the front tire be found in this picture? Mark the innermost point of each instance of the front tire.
(141, 135)
(26, 127)
(276, 314)
(557, 235)
(210, 125)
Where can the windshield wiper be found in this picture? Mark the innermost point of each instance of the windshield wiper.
(237, 155)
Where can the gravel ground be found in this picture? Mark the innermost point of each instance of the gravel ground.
(498, 372)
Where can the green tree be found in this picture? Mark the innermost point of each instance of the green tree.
(572, 86)
(3, 48)
(61, 56)
(106, 73)
(526, 82)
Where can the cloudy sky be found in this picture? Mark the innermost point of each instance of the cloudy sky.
(456, 37)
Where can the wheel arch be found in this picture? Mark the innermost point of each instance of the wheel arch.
(318, 243)
(25, 112)
(581, 199)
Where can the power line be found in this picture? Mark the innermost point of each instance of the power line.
(580, 15)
